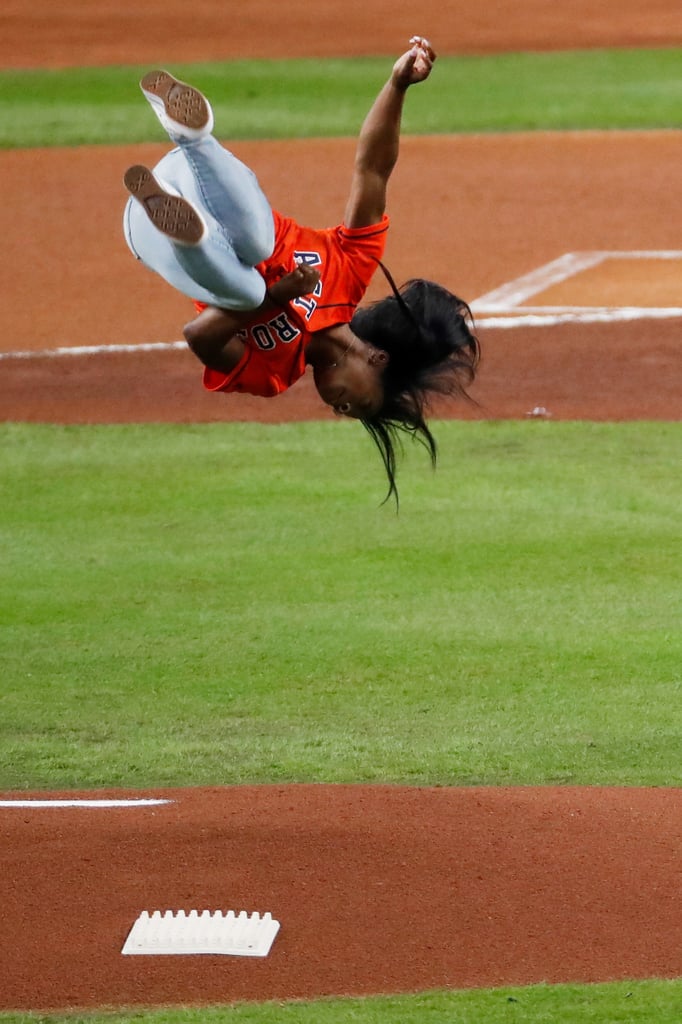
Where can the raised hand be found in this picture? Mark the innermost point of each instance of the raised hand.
(415, 65)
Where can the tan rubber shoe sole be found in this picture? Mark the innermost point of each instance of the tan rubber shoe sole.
(183, 111)
(172, 215)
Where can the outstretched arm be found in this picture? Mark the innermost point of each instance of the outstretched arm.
(379, 139)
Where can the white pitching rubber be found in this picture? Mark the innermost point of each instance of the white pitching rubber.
(168, 933)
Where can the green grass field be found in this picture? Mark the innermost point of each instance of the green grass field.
(654, 1002)
(236, 599)
(282, 99)
(233, 597)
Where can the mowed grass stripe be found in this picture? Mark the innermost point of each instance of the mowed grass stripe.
(235, 598)
(596, 89)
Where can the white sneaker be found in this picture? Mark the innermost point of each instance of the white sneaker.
(182, 110)
(172, 215)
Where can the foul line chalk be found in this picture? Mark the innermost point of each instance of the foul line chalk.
(96, 350)
(491, 309)
(541, 317)
(513, 293)
(83, 803)
(506, 317)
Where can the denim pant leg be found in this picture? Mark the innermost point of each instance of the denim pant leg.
(240, 231)
(229, 190)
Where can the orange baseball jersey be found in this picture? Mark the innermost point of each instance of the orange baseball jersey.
(275, 342)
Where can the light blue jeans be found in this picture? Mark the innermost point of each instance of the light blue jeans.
(220, 269)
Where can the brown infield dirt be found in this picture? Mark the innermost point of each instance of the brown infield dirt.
(378, 889)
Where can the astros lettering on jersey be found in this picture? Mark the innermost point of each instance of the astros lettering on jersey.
(275, 342)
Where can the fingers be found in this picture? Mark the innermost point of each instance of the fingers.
(306, 275)
(300, 281)
(421, 43)
(407, 62)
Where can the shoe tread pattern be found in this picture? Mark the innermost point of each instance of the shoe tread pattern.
(172, 215)
(182, 103)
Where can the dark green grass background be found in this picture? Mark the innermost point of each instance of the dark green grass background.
(282, 99)
(225, 604)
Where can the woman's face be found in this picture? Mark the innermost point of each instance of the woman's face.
(353, 386)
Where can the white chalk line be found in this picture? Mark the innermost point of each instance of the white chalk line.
(83, 803)
(549, 316)
(515, 292)
(503, 303)
(95, 350)
(509, 296)
(507, 318)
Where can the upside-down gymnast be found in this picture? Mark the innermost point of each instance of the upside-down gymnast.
(274, 297)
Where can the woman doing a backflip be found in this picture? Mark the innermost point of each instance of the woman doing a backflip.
(274, 297)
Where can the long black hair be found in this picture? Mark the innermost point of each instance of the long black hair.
(432, 350)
